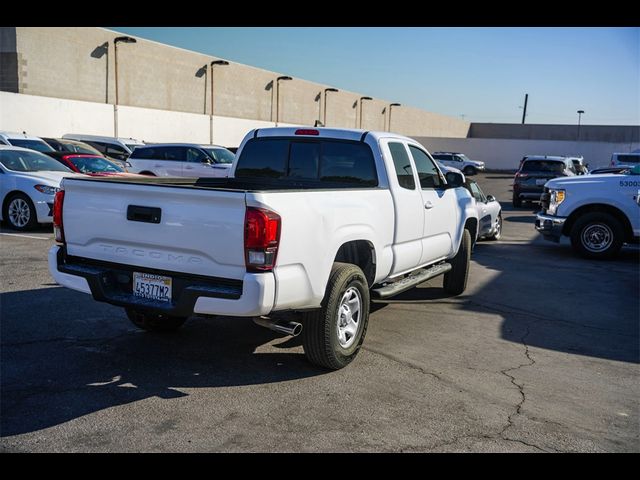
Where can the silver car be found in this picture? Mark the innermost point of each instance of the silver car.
(489, 212)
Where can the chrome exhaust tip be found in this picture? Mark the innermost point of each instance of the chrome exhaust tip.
(281, 326)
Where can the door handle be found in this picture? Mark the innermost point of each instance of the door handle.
(428, 204)
(188, 168)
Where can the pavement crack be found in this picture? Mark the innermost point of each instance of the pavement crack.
(523, 398)
(395, 359)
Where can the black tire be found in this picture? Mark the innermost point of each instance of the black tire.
(595, 227)
(149, 174)
(469, 170)
(455, 280)
(32, 221)
(497, 232)
(517, 203)
(320, 333)
(154, 322)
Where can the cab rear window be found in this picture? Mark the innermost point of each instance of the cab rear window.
(330, 161)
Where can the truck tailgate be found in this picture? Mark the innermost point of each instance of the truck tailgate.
(190, 230)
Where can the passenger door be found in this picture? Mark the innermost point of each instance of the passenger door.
(440, 210)
(407, 201)
(484, 213)
(197, 164)
(174, 160)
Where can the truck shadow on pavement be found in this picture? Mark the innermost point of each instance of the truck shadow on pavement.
(553, 299)
(539, 292)
(64, 356)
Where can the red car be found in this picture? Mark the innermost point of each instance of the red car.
(94, 165)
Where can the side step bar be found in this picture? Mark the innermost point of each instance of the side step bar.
(409, 282)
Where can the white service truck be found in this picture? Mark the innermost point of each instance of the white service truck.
(599, 213)
(310, 225)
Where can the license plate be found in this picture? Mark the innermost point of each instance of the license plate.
(153, 287)
(541, 182)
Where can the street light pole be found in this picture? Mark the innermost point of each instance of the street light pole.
(392, 105)
(361, 99)
(580, 112)
(215, 62)
(115, 56)
(284, 77)
(324, 122)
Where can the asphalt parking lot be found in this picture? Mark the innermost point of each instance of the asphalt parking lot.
(541, 353)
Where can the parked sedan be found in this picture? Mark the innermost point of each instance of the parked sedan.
(70, 146)
(94, 165)
(28, 182)
(489, 212)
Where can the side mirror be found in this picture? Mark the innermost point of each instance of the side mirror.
(491, 198)
(454, 179)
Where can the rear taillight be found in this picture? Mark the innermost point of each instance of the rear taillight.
(58, 201)
(522, 175)
(261, 238)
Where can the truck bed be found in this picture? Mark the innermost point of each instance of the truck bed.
(258, 184)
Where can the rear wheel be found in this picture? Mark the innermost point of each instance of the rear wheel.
(20, 213)
(332, 336)
(455, 280)
(497, 229)
(154, 322)
(597, 235)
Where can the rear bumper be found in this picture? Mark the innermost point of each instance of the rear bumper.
(253, 296)
(549, 226)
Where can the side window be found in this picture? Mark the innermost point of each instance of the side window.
(175, 154)
(304, 159)
(457, 158)
(428, 173)
(476, 192)
(444, 157)
(147, 153)
(402, 164)
(196, 156)
(116, 152)
(571, 167)
(101, 147)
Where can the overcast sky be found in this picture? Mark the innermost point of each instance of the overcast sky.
(480, 74)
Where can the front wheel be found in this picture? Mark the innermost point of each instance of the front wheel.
(455, 280)
(469, 171)
(154, 322)
(332, 336)
(20, 212)
(597, 235)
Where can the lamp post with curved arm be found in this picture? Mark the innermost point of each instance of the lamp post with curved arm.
(392, 105)
(326, 90)
(360, 100)
(283, 78)
(116, 41)
(221, 63)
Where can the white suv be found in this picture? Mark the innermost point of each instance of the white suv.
(459, 161)
(181, 160)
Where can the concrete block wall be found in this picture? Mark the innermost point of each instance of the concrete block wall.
(78, 64)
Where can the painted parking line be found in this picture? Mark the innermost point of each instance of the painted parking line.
(25, 236)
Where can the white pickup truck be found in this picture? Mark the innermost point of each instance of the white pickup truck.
(597, 212)
(310, 225)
